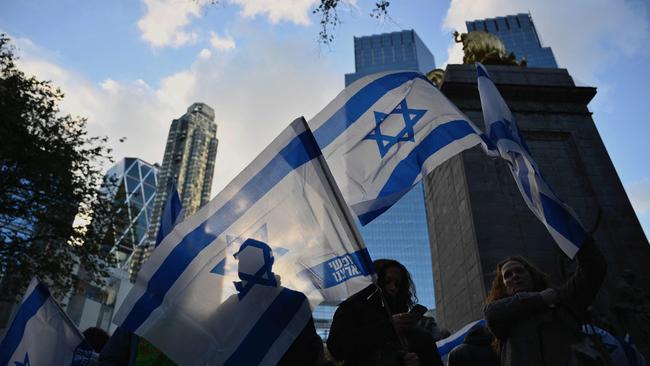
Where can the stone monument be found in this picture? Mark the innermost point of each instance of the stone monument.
(476, 215)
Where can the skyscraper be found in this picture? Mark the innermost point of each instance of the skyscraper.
(401, 232)
(390, 51)
(189, 158)
(133, 183)
(519, 35)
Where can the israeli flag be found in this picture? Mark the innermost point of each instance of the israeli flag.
(381, 134)
(559, 219)
(284, 199)
(445, 346)
(42, 334)
(621, 352)
(171, 214)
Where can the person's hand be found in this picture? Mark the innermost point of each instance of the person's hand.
(549, 296)
(404, 321)
(411, 359)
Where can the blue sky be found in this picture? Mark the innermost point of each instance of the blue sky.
(132, 66)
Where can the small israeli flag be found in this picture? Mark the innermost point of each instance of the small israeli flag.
(502, 130)
(42, 334)
(381, 134)
(171, 214)
(208, 295)
(445, 346)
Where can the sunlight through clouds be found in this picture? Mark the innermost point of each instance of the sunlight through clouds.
(165, 21)
(221, 43)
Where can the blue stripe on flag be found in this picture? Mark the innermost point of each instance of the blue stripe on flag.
(27, 310)
(359, 104)
(524, 179)
(562, 221)
(404, 174)
(480, 71)
(268, 328)
(300, 150)
(452, 343)
(339, 269)
(172, 209)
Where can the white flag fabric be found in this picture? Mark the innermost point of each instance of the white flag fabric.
(445, 346)
(42, 334)
(621, 352)
(502, 130)
(381, 134)
(184, 301)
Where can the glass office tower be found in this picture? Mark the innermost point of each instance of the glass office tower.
(135, 183)
(390, 51)
(401, 232)
(519, 35)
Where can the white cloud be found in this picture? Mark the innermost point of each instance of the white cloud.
(294, 11)
(585, 35)
(254, 99)
(113, 108)
(221, 43)
(165, 21)
(205, 54)
(639, 194)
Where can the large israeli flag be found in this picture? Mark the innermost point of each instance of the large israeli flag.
(381, 134)
(284, 198)
(559, 219)
(42, 334)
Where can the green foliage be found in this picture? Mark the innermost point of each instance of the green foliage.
(329, 17)
(50, 173)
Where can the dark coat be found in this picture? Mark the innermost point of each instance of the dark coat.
(532, 333)
(475, 350)
(306, 349)
(362, 334)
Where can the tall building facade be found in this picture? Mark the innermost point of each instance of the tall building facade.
(390, 51)
(132, 184)
(519, 35)
(401, 232)
(476, 214)
(189, 159)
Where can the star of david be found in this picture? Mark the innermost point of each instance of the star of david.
(25, 361)
(385, 142)
(263, 276)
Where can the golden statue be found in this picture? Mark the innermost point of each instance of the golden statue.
(480, 47)
(485, 48)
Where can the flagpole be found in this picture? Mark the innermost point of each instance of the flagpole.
(347, 216)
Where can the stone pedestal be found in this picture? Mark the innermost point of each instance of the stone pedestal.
(476, 215)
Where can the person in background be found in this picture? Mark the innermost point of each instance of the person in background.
(536, 324)
(96, 337)
(476, 349)
(376, 327)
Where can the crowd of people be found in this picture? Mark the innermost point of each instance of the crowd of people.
(528, 321)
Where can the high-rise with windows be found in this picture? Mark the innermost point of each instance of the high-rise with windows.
(189, 158)
(519, 35)
(390, 51)
(132, 185)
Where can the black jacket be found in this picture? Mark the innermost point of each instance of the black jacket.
(362, 334)
(532, 333)
(476, 349)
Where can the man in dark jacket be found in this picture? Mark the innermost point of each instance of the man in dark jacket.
(374, 327)
(476, 349)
